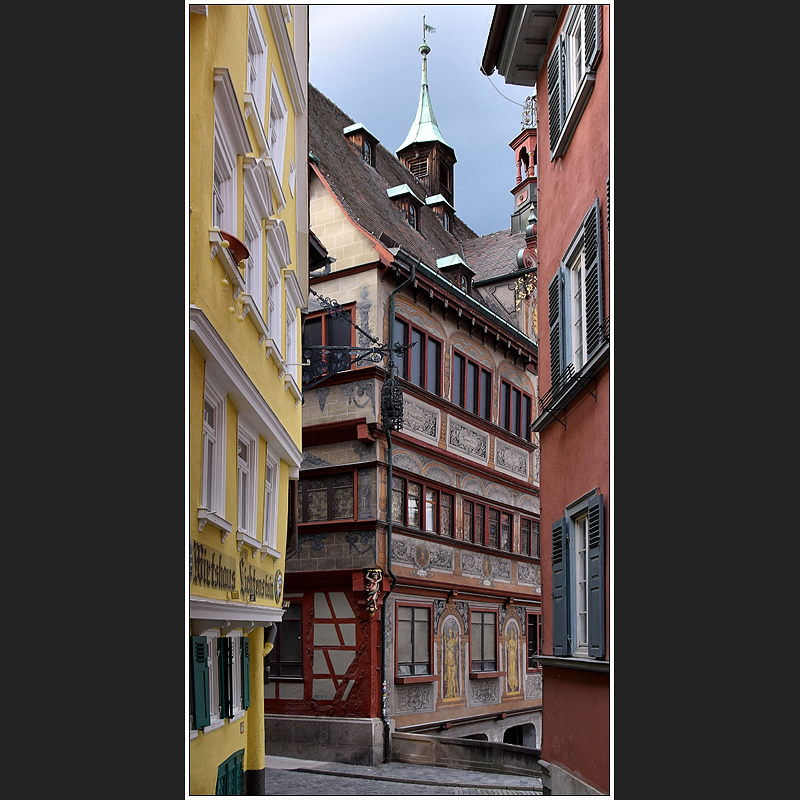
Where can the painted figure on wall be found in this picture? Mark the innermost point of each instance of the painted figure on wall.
(512, 646)
(373, 582)
(450, 640)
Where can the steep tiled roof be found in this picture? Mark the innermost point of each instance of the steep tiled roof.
(362, 191)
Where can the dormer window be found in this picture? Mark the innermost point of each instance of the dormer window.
(407, 202)
(412, 216)
(446, 222)
(363, 142)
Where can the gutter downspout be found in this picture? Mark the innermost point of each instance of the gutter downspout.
(387, 740)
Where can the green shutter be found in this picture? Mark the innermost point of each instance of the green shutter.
(555, 93)
(560, 558)
(554, 295)
(597, 579)
(594, 284)
(592, 29)
(245, 672)
(230, 775)
(199, 681)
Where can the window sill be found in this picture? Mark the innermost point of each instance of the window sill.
(221, 252)
(477, 676)
(290, 384)
(575, 662)
(236, 717)
(204, 516)
(250, 309)
(574, 115)
(216, 725)
(245, 538)
(416, 679)
(273, 352)
(266, 550)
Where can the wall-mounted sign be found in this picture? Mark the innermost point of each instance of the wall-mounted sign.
(213, 569)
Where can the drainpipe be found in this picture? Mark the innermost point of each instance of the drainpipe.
(387, 742)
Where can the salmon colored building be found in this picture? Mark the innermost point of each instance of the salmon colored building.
(564, 51)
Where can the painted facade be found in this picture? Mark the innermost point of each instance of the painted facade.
(417, 597)
(565, 52)
(248, 280)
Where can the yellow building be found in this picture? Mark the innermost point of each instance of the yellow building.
(248, 284)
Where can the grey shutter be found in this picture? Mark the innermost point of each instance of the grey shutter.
(554, 298)
(597, 580)
(561, 639)
(594, 283)
(555, 93)
(592, 30)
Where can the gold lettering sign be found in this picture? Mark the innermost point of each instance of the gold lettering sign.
(213, 569)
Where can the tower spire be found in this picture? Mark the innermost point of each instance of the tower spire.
(425, 128)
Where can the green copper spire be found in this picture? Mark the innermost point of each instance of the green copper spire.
(425, 128)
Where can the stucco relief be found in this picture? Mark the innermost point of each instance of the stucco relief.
(405, 461)
(413, 698)
(468, 441)
(474, 486)
(423, 557)
(483, 692)
(510, 459)
(440, 474)
(487, 568)
(533, 686)
(420, 419)
(530, 575)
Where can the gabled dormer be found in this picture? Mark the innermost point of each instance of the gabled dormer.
(363, 142)
(425, 153)
(444, 210)
(407, 202)
(457, 271)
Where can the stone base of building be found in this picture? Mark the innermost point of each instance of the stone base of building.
(345, 740)
(255, 782)
(558, 781)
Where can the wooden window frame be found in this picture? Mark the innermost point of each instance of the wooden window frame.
(303, 497)
(274, 660)
(534, 627)
(428, 677)
(494, 672)
(533, 549)
(522, 425)
(325, 317)
(408, 330)
(425, 487)
(477, 404)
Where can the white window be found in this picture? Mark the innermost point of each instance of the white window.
(274, 300)
(212, 495)
(247, 476)
(254, 242)
(276, 136)
(292, 176)
(256, 61)
(291, 339)
(581, 586)
(224, 209)
(573, 61)
(576, 274)
(216, 713)
(271, 502)
(235, 673)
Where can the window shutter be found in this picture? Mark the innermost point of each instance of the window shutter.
(199, 685)
(597, 605)
(223, 654)
(245, 672)
(561, 642)
(592, 30)
(594, 292)
(554, 294)
(555, 82)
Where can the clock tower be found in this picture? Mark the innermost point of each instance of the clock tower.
(524, 147)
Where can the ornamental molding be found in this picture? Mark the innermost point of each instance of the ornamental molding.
(467, 440)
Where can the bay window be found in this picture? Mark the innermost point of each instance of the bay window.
(328, 497)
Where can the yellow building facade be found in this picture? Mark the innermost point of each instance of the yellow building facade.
(247, 287)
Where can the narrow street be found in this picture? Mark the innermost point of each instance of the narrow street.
(293, 777)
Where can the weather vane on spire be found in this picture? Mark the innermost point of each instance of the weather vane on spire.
(428, 28)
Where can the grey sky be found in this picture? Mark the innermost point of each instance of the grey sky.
(365, 58)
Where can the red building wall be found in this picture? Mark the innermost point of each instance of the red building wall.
(575, 459)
